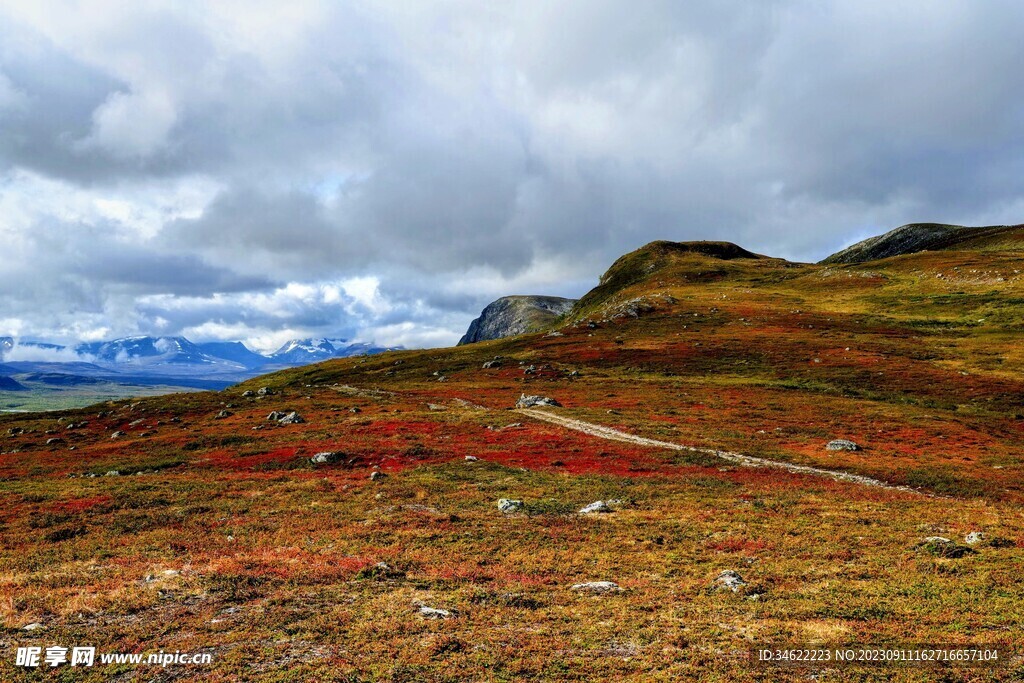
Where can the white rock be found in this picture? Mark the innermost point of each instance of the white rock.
(433, 612)
(507, 505)
(598, 506)
(974, 538)
(598, 587)
(730, 580)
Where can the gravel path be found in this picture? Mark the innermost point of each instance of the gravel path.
(736, 458)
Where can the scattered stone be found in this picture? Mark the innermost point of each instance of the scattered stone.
(597, 587)
(222, 414)
(729, 580)
(376, 476)
(941, 546)
(354, 409)
(492, 364)
(841, 445)
(509, 506)
(291, 418)
(435, 406)
(112, 473)
(531, 401)
(135, 423)
(34, 626)
(327, 457)
(598, 506)
(15, 431)
(264, 391)
(471, 458)
(275, 416)
(117, 435)
(433, 612)
(974, 538)
(54, 442)
(248, 393)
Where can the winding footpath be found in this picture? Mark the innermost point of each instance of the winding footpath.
(736, 458)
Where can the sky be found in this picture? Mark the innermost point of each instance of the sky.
(380, 171)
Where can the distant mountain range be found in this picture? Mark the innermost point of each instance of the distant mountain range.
(144, 359)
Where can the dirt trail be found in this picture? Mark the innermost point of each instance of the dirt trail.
(737, 458)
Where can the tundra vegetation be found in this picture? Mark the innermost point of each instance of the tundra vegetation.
(206, 527)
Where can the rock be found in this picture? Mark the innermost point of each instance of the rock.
(597, 587)
(117, 435)
(354, 410)
(327, 457)
(471, 458)
(729, 580)
(434, 406)
(112, 473)
(222, 414)
(15, 431)
(531, 401)
(264, 391)
(275, 416)
(598, 506)
(291, 418)
(248, 393)
(974, 538)
(433, 612)
(841, 445)
(941, 546)
(377, 476)
(54, 442)
(34, 626)
(492, 364)
(509, 506)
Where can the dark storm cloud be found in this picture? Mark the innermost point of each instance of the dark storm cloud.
(454, 152)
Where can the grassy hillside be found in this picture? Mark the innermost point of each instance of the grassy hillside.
(273, 560)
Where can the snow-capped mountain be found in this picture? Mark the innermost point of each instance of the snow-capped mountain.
(143, 358)
(236, 352)
(302, 351)
(147, 351)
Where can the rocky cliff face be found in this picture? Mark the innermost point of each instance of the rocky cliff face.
(512, 315)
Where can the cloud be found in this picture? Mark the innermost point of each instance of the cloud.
(384, 170)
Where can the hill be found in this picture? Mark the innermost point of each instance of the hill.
(512, 315)
(916, 237)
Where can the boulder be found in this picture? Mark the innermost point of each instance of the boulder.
(377, 476)
(841, 445)
(327, 457)
(974, 538)
(509, 506)
(291, 418)
(598, 506)
(532, 401)
(729, 580)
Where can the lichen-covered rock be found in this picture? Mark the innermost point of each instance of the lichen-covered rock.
(597, 507)
(841, 445)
